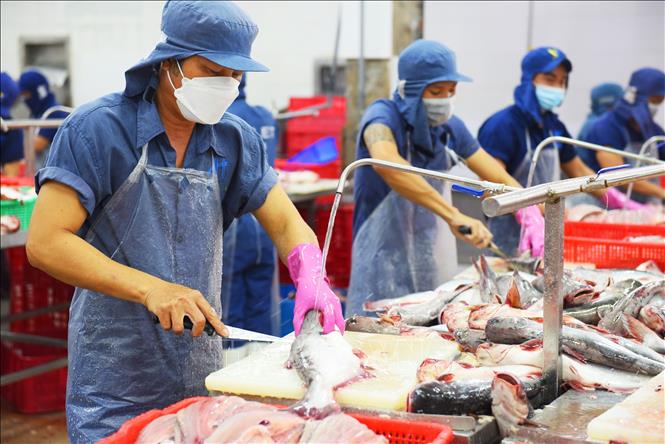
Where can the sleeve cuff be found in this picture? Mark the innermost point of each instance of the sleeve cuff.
(86, 196)
(260, 193)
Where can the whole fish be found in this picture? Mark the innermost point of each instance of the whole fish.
(413, 298)
(426, 313)
(575, 292)
(577, 374)
(630, 344)
(510, 405)
(387, 326)
(323, 362)
(473, 397)
(598, 276)
(584, 344)
(469, 339)
(448, 371)
(480, 314)
(653, 317)
(589, 313)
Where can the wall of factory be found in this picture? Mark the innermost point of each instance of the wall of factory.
(105, 38)
(605, 41)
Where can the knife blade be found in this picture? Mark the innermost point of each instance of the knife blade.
(235, 333)
(494, 248)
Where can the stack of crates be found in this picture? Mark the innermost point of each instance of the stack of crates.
(32, 289)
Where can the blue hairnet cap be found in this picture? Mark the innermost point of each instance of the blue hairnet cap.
(648, 82)
(541, 60)
(8, 93)
(429, 61)
(218, 30)
(604, 96)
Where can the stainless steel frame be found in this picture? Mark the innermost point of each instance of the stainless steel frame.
(553, 195)
(645, 146)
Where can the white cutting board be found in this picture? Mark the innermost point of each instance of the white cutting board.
(640, 418)
(394, 358)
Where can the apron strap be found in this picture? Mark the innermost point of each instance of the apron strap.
(144, 155)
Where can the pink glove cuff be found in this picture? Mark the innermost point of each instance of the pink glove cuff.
(529, 215)
(615, 199)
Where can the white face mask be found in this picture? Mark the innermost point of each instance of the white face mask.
(204, 99)
(439, 111)
(653, 108)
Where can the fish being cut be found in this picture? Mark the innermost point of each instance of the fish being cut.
(323, 362)
(510, 405)
(582, 343)
(473, 397)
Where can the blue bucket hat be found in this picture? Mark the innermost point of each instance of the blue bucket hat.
(218, 30)
(644, 83)
(536, 61)
(8, 94)
(422, 63)
(604, 96)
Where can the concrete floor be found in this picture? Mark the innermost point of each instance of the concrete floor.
(17, 428)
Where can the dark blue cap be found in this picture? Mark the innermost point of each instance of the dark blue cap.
(648, 82)
(604, 96)
(542, 60)
(8, 93)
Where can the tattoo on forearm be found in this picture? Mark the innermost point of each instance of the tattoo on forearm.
(377, 132)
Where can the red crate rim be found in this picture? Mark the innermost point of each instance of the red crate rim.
(130, 430)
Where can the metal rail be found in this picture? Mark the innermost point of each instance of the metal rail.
(32, 371)
(642, 152)
(581, 144)
(491, 187)
(553, 194)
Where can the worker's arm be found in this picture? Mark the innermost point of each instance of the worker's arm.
(381, 144)
(490, 168)
(40, 143)
(281, 220)
(54, 247)
(644, 187)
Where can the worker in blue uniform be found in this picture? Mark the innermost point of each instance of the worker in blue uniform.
(11, 141)
(404, 226)
(629, 125)
(249, 255)
(133, 201)
(42, 103)
(512, 134)
(603, 98)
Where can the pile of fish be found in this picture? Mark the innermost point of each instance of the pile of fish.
(232, 419)
(650, 215)
(612, 338)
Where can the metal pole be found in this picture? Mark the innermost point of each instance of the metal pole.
(553, 297)
(29, 151)
(529, 27)
(361, 61)
(32, 339)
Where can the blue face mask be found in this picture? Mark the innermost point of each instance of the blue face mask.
(548, 97)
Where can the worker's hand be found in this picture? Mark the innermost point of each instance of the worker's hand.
(172, 302)
(615, 199)
(533, 230)
(480, 236)
(313, 289)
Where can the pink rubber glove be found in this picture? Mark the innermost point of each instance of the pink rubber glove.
(615, 199)
(533, 230)
(305, 270)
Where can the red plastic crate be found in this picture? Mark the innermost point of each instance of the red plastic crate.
(38, 394)
(603, 244)
(395, 430)
(303, 131)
